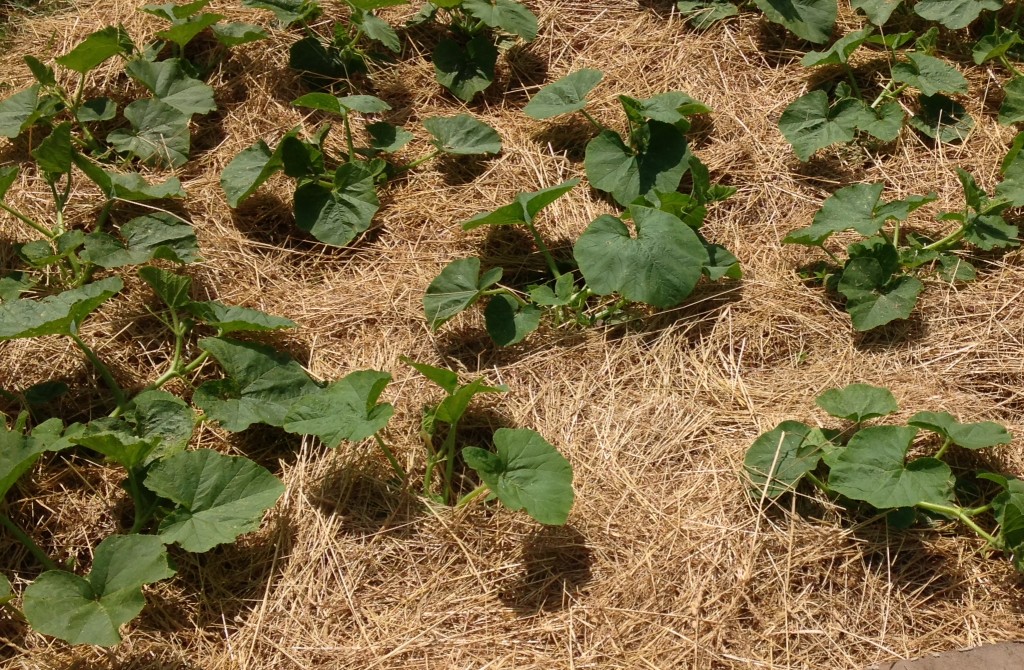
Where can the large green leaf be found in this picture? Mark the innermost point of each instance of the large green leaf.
(871, 468)
(616, 168)
(994, 45)
(342, 105)
(54, 154)
(1011, 169)
(929, 75)
(169, 82)
(526, 473)
(91, 609)
(855, 207)
(508, 321)
(465, 70)
(811, 20)
(59, 314)
(248, 170)
(874, 296)
(507, 15)
(942, 119)
(96, 48)
(19, 452)
(840, 51)
(660, 266)
(181, 33)
(779, 459)
(171, 288)
(347, 410)
(158, 235)
(702, 14)
(979, 435)
(457, 287)
(130, 186)
(858, 402)
(524, 209)
(160, 414)
(236, 33)
(287, 12)
(670, 107)
(159, 134)
(991, 232)
(260, 386)
(18, 112)
(1008, 506)
(566, 95)
(339, 215)
(218, 497)
(233, 318)
(877, 11)
(809, 123)
(954, 14)
(119, 444)
(1012, 109)
(462, 135)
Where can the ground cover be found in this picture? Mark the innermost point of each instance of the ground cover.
(650, 386)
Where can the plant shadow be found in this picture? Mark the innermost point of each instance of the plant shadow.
(557, 565)
(568, 137)
(368, 505)
(460, 170)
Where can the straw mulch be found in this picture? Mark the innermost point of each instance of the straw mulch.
(666, 561)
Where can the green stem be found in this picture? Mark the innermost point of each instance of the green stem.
(102, 369)
(472, 495)
(399, 470)
(79, 91)
(38, 227)
(28, 543)
(449, 466)
(505, 291)
(544, 250)
(887, 94)
(597, 124)
(947, 241)
(812, 478)
(975, 511)
(142, 511)
(965, 519)
(418, 161)
(945, 446)
(853, 81)
(608, 311)
(835, 259)
(348, 138)
(896, 233)
(1009, 66)
(101, 221)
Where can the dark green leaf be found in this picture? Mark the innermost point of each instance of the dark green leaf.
(59, 314)
(19, 452)
(524, 209)
(119, 444)
(566, 95)
(287, 12)
(967, 435)
(671, 107)
(465, 70)
(347, 410)
(954, 269)
(387, 138)
(462, 135)
(660, 266)
(233, 318)
(942, 119)
(954, 14)
(378, 30)
(780, 458)
(561, 295)
(248, 170)
(160, 414)
(991, 232)
(170, 83)
(883, 123)
(337, 216)
(929, 75)
(97, 109)
(6, 595)
(184, 32)
(857, 402)
(41, 71)
(811, 20)
(994, 45)
(158, 235)
(702, 14)
(173, 12)
(19, 112)
(97, 48)
(322, 63)
(1012, 170)
(234, 34)
(877, 11)
(615, 168)
(1012, 109)
(172, 289)
(443, 377)
(809, 123)
(159, 134)
(219, 497)
(367, 104)
(508, 321)
(89, 610)
(457, 287)
(873, 296)
(8, 175)
(53, 154)
(527, 473)
(506, 15)
(840, 50)
(130, 186)
(849, 207)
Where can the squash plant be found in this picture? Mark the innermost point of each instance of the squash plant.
(336, 199)
(658, 265)
(902, 471)
(877, 279)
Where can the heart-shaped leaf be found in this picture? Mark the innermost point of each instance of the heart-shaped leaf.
(465, 70)
(130, 186)
(347, 410)
(55, 315)
(169, 82)
(18, 112)
(158, 235)
(457, 287)
(954, 14)
(840, 51)
(809, 123)
(780, 458)
(978, 435)
(615, 168)
(929, 75)
(19, 452)
(235, 33)
(508, 321)
(858, 402)
(463, 135)
(811, 20)
(564, 96)
(96, 48)
(942, 119)
(1012, 110)
(874, 296)
(339, 215)
(218, 497)
(233, 318)
(159, 134)
(507, 15)
(54, 154)
(527, 472)
(171, 288)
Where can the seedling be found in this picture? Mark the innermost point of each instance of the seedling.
(869, 464)
(336, 199)
(878, 278)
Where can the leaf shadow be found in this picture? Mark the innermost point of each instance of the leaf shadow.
(893, 335)
(526, 70)
(367, 504)
(568, 137)
(557, 565)
(460, 170)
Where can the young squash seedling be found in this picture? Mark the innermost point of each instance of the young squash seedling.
(878, 278)
(869, 464)
(336, 199)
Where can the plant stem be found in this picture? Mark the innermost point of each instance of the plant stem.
(853, 81)
(102, 369)
(945, 446)
(28, 543)
(399, 470)
(608, 311)
(77, 102)
(597, 124)
(1009, 66)
(958, 513)
(419, 161)
(38, 227)
(472, 495)
(947, 241)
(886, 93)
(141, 513)
(544, 250)
(348, 139)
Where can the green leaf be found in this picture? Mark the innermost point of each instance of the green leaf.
(19, 112)
(994, 45)
(172, 289)
(347, 410)
(118, 443)
(248, 171)
(462, 135)
(232, 318)
(59, 314)
(219, 497)
(8, 175)
(526, 473)
(780, 458)
(1012, 171)
(169, 82)
(871, 468)
(811, 20)
(130, 186)
(858, 402)
(443, 377)
(942, 119)
(991, 232)
(875, 297)
(929, 75)
(954, 14)
(19, 452)
(173, 12)
(378, 30)
(561, 295)
(1009, 512)
(564, 96)
(89, 610)
(97, 109)
(524, 209)
(849, 207)
(96, 48)
(338, 216)
(158, 235)
(809, 123)
(465, 70)
(1012, 109)
(184, 32)
(260, 386)
(883, 123)
(457, 287)
(6, 595)
(41, 71)
(659, 267)
(370, 5)
(978, 435)
(877, 11)
(53, 154)
(840, 51)
(341, 106)
(671, 107)
(387, 138)
(157, 413)
(954, 269)
(287, 12)
(159, 134)
(235, 33)
(508, 321)
(320, 62)
(615, 168)
(702, 14)
(506, 15)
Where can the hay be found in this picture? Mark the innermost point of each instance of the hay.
(665, 562)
